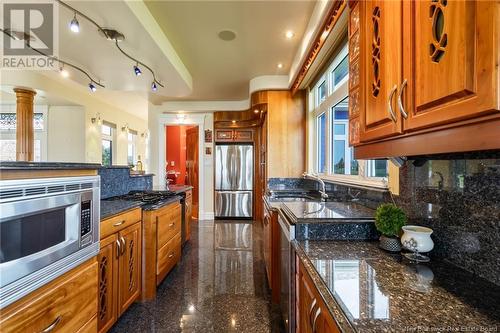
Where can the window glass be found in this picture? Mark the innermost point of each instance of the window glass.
(321, 124)
(354, 164)
(340, 72)
(339, 129)
(321, 92)
(131, 149)
(339, 157)
(107, 152)
(376, 168)
(105, 129)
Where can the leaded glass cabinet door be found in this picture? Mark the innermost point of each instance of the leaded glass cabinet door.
(383, 69)
(451, 61)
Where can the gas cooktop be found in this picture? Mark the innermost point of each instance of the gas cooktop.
(150, 197)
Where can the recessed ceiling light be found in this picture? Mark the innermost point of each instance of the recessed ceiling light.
(280, 65)
(227, 35)
(289, 34)
(233, 121)
(64, 73)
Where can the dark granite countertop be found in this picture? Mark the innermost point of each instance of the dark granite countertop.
(113, 206)
(327, 212)
(20, 165)
(110, 207)
(369, 290)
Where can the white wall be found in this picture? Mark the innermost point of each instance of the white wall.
(66, 134)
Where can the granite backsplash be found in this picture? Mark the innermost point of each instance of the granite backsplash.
(118, 181)
(458, 198)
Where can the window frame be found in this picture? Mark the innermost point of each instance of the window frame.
(112, 138)
(335, 94)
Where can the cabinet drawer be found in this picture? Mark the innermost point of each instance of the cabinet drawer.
(67, 304)
(119, 222)
(168, 225)
(167, 257)
(90, 326)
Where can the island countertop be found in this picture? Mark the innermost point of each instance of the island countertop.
(369, 290)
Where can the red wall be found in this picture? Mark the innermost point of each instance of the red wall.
(176, 150)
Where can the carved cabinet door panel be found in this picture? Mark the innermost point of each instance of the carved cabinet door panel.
(130, 266)
(107, 259)
(451, 59)
(382, 43)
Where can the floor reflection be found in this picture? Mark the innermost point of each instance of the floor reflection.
(219, 286)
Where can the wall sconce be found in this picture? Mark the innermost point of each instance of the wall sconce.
(145, 134)
(125, 128)
(97, 119)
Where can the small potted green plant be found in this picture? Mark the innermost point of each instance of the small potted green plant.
(389, 219)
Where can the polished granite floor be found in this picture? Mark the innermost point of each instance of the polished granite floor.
(219, 286)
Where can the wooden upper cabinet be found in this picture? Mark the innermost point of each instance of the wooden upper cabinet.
(237, 135)
(451, 61)
(382, 49)
(223, 135)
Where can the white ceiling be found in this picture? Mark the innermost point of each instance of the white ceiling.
(221, 70)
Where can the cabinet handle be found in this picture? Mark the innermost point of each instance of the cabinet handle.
(119, 248)
(171, 225)
(318, 312)
(313, 304)
(118, 223)
(53, 325)
(170, 255)
(400, 102)
(389, 103)
(123, 244)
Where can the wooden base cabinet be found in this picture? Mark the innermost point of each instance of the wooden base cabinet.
(67, 304)
(161, 246)
(119, 267)
(429, 75)
(313, 315)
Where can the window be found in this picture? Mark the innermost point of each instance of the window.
(108, 143)
(131, 147)
(329, 123)
(8, 123)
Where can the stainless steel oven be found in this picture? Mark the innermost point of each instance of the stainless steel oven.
(47, 227)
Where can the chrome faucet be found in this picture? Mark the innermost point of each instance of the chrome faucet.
(316, 177)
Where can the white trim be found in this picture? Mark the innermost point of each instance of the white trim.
(191, 119)
(207, 216)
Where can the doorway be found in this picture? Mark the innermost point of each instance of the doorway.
(182, 159)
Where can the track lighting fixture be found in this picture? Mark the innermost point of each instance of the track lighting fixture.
(92, 87)
(137, 70)
(93, 82)
(74, 25)
(113, 35)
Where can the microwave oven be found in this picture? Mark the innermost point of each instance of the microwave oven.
(47, 227)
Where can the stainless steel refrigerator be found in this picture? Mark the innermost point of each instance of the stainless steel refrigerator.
(233, 180)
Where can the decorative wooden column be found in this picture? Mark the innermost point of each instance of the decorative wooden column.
(25, 135)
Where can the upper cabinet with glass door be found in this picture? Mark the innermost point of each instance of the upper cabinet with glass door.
(429, 75)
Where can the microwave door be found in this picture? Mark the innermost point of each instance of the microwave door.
(36, 233)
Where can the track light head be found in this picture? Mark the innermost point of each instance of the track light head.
(137, 70)
(92, 87)
(153, 86)
(74, 25)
